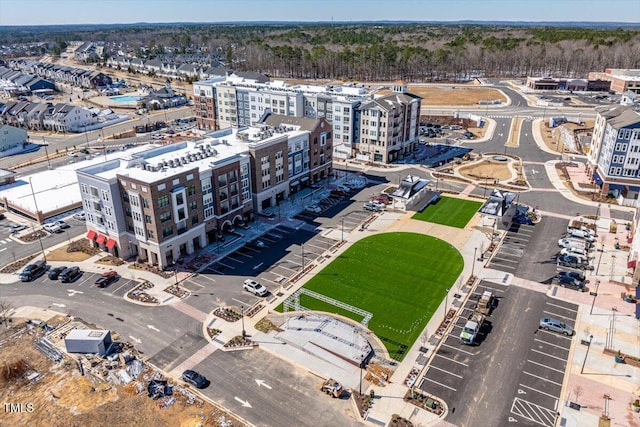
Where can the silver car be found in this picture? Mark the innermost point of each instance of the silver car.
(551, 324)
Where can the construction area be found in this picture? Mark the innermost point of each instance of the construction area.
(42, 384)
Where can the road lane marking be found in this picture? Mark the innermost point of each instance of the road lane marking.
(458, 349)
(546, 366)
(542, 378)
(538, 391)
(440, 384)
(544, 416)
(554, 345)
(447, 358)
(244, 403)
(445, 371)
(562, 359)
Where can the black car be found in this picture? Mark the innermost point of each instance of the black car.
(70, 274)
(571, 283)
(33, 271)
(55, 272)
(574, 274)
(195, 379)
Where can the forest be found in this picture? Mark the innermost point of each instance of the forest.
(366, 52)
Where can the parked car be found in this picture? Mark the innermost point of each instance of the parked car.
(574, 274)
(80, 216)
(33, 271)
(571, 283)
(338, 192)
(371, 207)
(468, 135)
(572, 261)
(573, 243)
(17, 227)
(59, 223)
(70, 274)
(551, 324)
(581, 233)
(107, 278)
(572, 250)
(195, 379)
(522, 219)
(72, 154)
(379, 204)
(55, 272)
(384, 198)
(258, 244)
(313, 208)
(255, 288)
(51, 227)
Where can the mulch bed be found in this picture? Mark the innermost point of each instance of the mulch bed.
(138, 293)
(177, 291)
(110, 260)
(227, 314)
(398, 421)
(83, 245)
(238, 341)
(32, 237)
(423, 401)
(17, 265)
(363, 402)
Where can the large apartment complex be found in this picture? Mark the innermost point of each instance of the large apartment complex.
(168, 201)
(378, 127)
(614, 156)
(622, 80)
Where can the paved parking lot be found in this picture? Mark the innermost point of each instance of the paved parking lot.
(86, 284)
(514, 373)
(529, 251)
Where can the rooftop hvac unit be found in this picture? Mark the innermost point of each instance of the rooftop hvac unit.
(214, 153)
(148, 167)
(160, 165)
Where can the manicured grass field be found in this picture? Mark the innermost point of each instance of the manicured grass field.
(400, 277)
(449, 211)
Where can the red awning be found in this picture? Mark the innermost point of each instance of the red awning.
(632, 264)
(91, 235)
(110, 243)
(100, 240)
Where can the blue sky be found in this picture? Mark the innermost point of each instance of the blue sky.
(39, 12)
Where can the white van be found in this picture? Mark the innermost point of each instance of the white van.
(580, 234)
(573, 243)
(574, 251)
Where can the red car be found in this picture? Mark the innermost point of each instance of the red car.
(107, 278)
(338, 192)
(382, 198)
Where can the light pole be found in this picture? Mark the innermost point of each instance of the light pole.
(600, 259)
(595, 294)
(46, 152)
(446, 297)
(597, 213)
(244, 333)
(342, 235)
(473, 265)
(586, 354)
(37, 217)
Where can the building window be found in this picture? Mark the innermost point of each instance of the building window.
(164, 217)
(150, 233)
(163, 201)
(193, 205)
(147, 219)
(167, 231)
(94, 191)
(194, 220)
(191, 190)
(145, 203)
(181, 214)
(85, 190)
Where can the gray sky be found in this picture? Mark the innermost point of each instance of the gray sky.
(40, 12)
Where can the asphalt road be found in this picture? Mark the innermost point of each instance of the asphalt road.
(485, 381)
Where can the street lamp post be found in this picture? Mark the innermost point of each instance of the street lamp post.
(595, 294)
(600, 259)
(446, 297)
(473, 265)
(586, 354)
(244, 333)
(36, 206)
(595, 222)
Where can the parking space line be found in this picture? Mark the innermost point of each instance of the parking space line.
(556, 314)
(553, 345)
(205, 276)
(246, 304)
(546, 417)
(564, 308)
(458, 349)
(113, 291)
(452, 360)
(225, 265)
(244, 255)
(87, 278)
(555, 335)
(542, 378)
(440, 384)
(264, 237)
(446, 372)
(538, 391)
(505, 259)
(230, 258)
(490, 288)
(562, 359)
(546, 366)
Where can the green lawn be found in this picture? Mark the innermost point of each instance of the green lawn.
(400, 277)
(449, 211)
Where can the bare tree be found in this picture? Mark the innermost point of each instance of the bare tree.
(5, 311)
(577, 390)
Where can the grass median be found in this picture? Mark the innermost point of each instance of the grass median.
(449, 211)
(399, 277)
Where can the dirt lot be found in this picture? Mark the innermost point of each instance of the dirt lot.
(35, 391)
(461, 95)
(486, 170)
(61, 254)
(551, 135)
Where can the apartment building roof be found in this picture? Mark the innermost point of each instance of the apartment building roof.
(622, 114)
(303, 123)
(626, 118)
